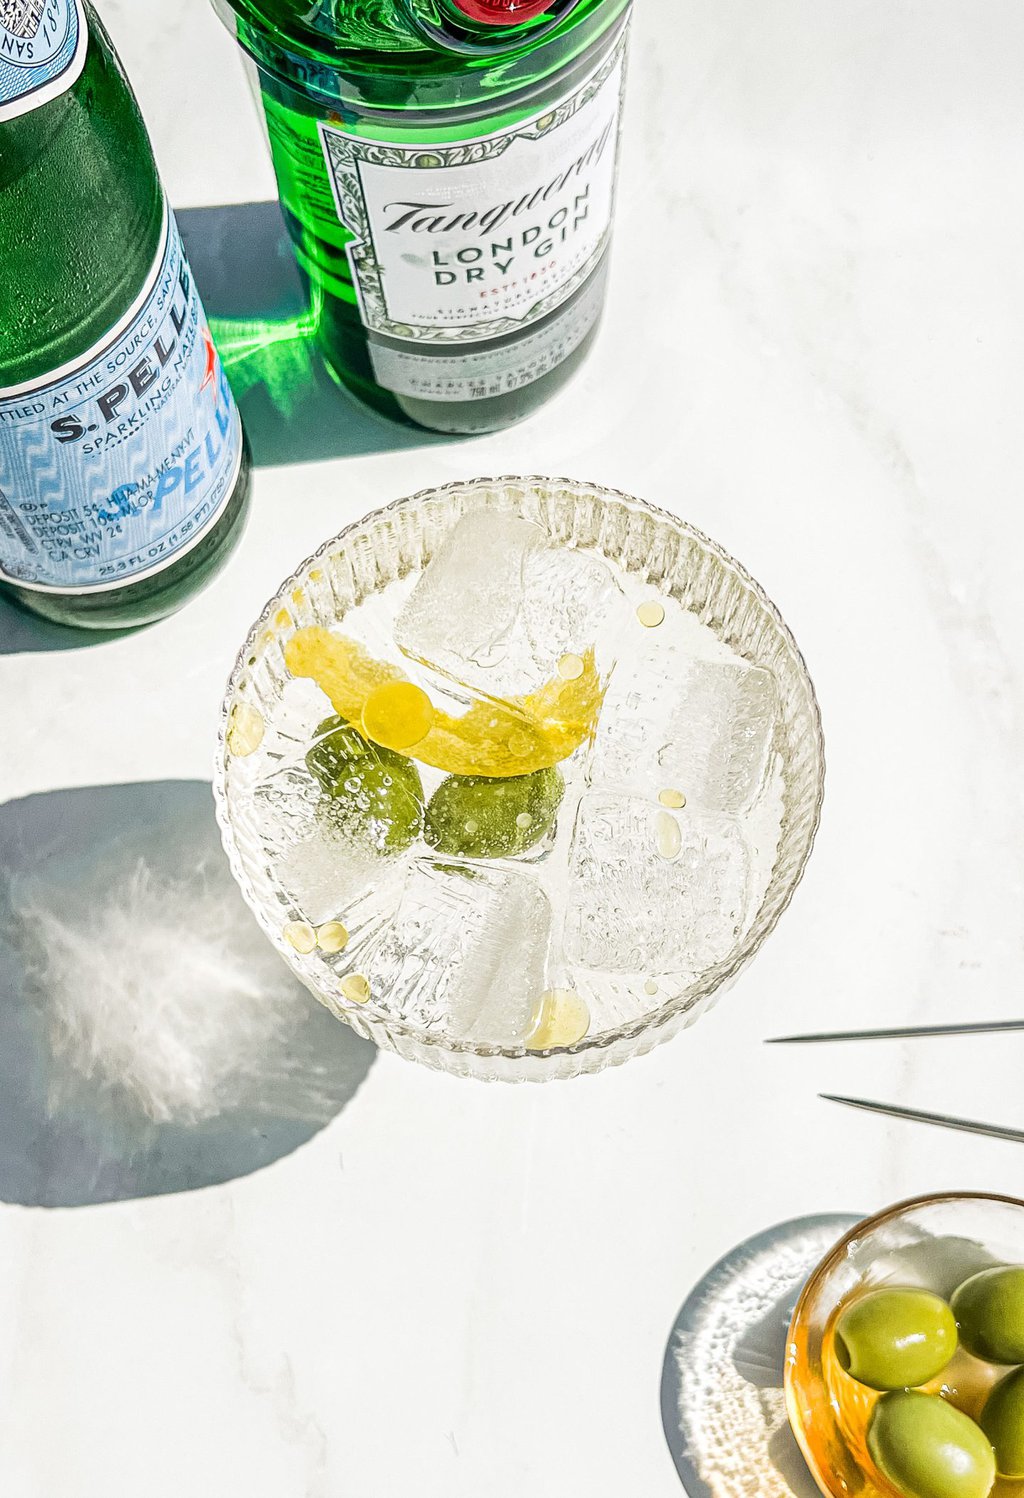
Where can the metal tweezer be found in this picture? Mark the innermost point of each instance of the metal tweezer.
(916, 1115)
(909, 1032)
(941, 1120)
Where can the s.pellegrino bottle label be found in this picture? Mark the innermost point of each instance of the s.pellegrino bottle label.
(457, 244)
(42, 52)
(114, 465)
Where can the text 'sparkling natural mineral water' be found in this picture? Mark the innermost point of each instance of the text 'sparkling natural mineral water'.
(124, 473)
(447, 173)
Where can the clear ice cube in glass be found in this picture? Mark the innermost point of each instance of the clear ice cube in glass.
(465, 952)
(324, 872)
(703, 727)
(653, 891)
(498, 606)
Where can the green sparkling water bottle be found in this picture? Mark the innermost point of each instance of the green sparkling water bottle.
(124, 473)
(447, 174)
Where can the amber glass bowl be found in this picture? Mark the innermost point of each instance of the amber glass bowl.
(933, 1241)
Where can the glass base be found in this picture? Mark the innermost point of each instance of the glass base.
(153, 597)
(465, 418)
(574, 327)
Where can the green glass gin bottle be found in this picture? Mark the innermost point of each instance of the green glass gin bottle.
(447, 174)
(124, 474)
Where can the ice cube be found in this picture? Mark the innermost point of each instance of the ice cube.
(652, 891)
(283, 808)
(465, 954)
(498, 607)
(322, 870)
(701, 727)
(466, 602)
(328, 877)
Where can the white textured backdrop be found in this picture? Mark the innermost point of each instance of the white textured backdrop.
(813, 351)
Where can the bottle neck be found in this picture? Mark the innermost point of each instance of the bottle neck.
(486, 28)
(500, 13)
(347, 63)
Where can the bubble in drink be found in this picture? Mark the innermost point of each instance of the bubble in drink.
(300, 935)
(332, 936)
(563, 1019)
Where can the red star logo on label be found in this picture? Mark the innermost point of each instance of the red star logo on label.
(210, 373)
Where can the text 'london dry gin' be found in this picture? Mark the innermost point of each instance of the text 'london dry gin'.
(124, 473)
(447, 174)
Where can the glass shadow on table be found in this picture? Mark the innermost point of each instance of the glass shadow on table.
(151, 1039)
(293, 410)
(722, 1400)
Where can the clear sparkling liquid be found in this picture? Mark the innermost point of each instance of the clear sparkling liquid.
(663, 842)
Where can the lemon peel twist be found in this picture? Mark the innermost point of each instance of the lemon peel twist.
(494, 738)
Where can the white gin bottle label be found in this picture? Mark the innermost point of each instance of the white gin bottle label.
(456, 244)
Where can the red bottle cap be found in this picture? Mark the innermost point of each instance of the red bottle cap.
(501, 12)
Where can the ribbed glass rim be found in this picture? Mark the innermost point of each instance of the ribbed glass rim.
(777, 898)
(878, 1220)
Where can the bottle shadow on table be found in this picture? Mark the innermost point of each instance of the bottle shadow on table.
(21, 633)
(292, 409)
(151, 1039)
(750, 1448)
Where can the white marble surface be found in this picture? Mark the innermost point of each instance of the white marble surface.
(812, 351)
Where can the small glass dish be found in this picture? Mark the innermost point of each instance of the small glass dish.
(656, 554)
(933, 1242)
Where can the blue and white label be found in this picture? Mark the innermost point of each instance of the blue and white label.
(42, 52)
(114, 466)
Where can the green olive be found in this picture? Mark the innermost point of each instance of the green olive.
(371, 794)
(1002, 1420)
(895, 1338)
(989, 1309)
(335, 743)
(928, 1448)
(480, 817)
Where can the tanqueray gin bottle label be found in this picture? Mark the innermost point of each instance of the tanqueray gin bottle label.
(456, 244)
(42, 52)
(116, 464)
